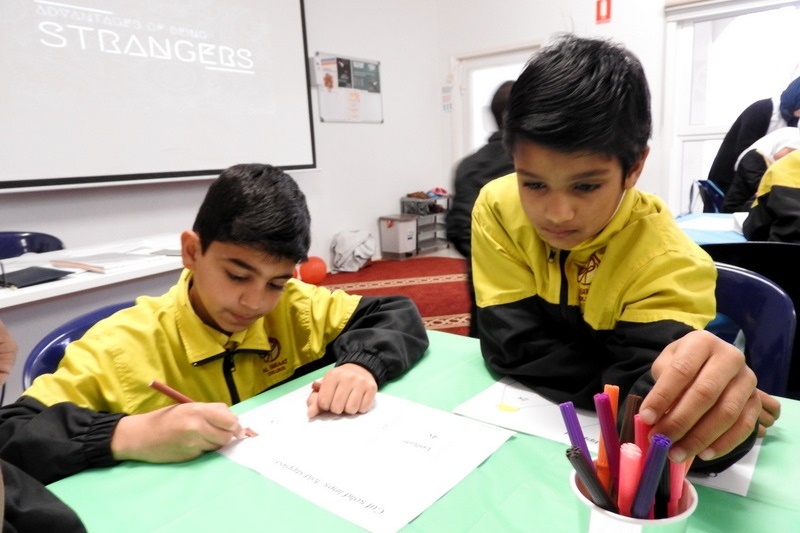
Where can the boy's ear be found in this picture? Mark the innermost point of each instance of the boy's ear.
(190, 249)
(636, 170)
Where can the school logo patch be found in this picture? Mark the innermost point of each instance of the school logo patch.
(585, 275)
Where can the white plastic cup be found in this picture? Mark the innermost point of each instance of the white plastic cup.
(594, 519)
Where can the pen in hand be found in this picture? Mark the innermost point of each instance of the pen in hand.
(179, 397)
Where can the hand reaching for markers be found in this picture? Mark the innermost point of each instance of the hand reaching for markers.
(346, 389)
(704, 398)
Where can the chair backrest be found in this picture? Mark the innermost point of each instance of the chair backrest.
(49, 351)
(772, 260)
(766, 315)
(16, 243)
(711, 195)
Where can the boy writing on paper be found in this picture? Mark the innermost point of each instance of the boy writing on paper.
(235, 324)
(583, 280)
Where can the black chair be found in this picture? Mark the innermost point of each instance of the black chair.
(766, 316)
(16, 243)
(772, 260)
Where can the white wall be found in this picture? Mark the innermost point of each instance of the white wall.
(363, 169)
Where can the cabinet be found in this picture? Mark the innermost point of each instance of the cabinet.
(418, 229)
(431, 227)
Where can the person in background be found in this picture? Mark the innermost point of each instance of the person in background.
(752, 164)
(235, 324)
(27, 505)
(758, 119)
(582, 280)
(472, 173)
(775, 213)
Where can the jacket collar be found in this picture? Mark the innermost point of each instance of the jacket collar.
(201, 341)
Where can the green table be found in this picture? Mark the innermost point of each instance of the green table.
(521, 487)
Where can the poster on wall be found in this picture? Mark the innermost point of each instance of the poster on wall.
(349, 89)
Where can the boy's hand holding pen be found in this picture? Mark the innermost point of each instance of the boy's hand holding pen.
(175, 433)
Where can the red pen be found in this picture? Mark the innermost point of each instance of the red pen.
(179, 397)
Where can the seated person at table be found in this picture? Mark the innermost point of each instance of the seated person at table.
(758, 119)
(235, 324)
(26, 504)
(775, 213)
(752, 164)
(582, 280)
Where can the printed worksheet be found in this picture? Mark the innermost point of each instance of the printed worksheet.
(509, 404)
(378, 470)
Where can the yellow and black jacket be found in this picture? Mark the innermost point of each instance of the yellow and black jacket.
(69, 416)
(775, 213)
(566, 322)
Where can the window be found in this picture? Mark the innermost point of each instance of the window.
(721, 57)
(478, 78)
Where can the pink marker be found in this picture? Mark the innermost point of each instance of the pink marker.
(641, 434)
(630, 471)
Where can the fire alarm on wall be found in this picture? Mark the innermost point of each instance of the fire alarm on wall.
(603, 12)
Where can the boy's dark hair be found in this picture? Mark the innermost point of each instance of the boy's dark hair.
(258, 206)
(581, 94)
(500, 101)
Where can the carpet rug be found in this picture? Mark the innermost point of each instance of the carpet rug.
(437, 285)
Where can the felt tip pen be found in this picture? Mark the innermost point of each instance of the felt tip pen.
(630, 472)
(651, 474)
(179, 397)
(574, 430)
(631, 408)
(588, 477)
(608, 429)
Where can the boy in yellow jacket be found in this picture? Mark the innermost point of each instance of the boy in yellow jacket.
(235, 324)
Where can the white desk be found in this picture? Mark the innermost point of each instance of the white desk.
(32, 312)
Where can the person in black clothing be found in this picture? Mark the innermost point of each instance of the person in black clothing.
(27, 505)
(473, 172)
(752, 164)
(758, 119)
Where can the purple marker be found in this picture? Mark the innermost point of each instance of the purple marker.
(651, 473)
(608, 429)
(574, 430)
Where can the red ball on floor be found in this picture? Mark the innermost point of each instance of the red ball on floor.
(313, 271)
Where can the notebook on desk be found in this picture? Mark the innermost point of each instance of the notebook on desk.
(31, 276)
(102, 262)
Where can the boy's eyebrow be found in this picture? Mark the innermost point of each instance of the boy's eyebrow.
(589, 174)
(250, 268)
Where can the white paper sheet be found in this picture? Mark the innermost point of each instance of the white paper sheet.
(708, 223)
(509, 404)
(378, 470)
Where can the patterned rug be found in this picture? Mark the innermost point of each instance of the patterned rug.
(438, 285)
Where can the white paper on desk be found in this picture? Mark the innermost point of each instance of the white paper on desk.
(736, 478)
(508, 403)
(378, 470)
(738, 221)
(709, 223)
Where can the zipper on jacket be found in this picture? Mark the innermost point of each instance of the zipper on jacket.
(228, 368)
(551, 257)
(564, 296)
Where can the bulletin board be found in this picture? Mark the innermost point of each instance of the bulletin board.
(349, 89)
